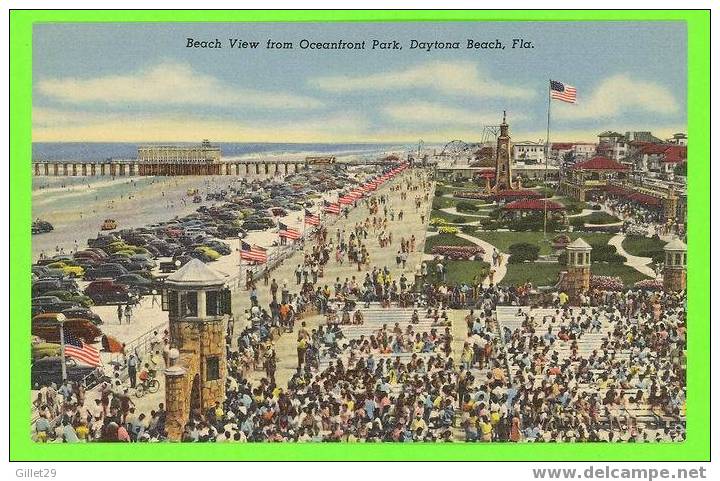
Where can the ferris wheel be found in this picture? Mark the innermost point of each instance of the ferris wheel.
(455, 148)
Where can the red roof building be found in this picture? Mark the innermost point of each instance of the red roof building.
(518, 194)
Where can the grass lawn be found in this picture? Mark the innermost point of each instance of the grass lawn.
(539, 273)
(642, 246)
(573, 206)
(595, 218)
(440, 202)
(460, 271)
(629, 275)
(452, 218)
(503, 240)
(542, 274)
(445, 240)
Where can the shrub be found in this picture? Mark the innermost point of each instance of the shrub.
(606, 253)
(466, 207)
(448, 230)
(439, 192)
(459, 220)
(596, 207)
(522, 252)
(438, 221)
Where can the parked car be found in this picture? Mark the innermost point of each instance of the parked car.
(109, 224)
(107, 291)
(105, 270)
(48, 370)
(69, 269)
(47, 327)
(83, 313)
(50, 304)
(219, 247)
(41, 227)
(69, 296)
(137, 283)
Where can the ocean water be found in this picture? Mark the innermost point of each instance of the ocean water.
(80, 151)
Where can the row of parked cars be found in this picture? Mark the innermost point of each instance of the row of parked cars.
(120, 266)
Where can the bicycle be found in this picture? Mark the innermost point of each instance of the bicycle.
(150, 385)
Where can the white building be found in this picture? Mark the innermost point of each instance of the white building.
(529, 152)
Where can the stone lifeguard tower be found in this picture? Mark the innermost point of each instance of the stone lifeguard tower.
(198, 304)
(577, 278)
(675, 270)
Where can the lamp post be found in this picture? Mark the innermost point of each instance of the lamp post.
(61, 321)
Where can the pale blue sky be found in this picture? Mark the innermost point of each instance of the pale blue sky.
(138, 82)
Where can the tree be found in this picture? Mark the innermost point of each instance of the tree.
(681, 169)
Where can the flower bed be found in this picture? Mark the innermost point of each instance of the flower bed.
(458, 252)
(650, 284)
(471, 195)
(448, 230)
(606, 283)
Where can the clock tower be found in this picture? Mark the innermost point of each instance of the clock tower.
(503, 171)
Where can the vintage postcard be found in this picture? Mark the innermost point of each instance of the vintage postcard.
(475, 231)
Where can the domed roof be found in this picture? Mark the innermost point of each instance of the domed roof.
(579, 243)
(675, 245)
(195, 274)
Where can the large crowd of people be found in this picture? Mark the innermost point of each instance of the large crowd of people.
(537, 379)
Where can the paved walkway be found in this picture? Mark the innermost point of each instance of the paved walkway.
(500, 270)
(285, 345)
(640, 264)
(454, 211)
(583, 213)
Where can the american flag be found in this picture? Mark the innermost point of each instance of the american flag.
(347, 199)
(564, 92)
(252, 253)
(331, 208)
(288, 232)
(81, 352)
(311, 219)
(356, 193)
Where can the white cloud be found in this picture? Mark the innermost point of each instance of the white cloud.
(53, 125)
(619, 94)
(167, 83)
(439, 114)
(450, 78)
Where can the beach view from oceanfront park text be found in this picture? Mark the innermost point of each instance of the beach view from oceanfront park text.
(448, 245)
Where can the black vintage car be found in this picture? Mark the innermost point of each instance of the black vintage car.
(48, 370)
(41, 227)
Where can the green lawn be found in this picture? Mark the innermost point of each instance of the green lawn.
(445, 240)
(539, 273)
(643, 246)
(595, 218)
(460, 271)
(440, 202)
(573, 206)
(452, 218)
(503, 240)
(629, 275)
(545, 274)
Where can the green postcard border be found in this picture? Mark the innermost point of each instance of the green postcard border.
(695, 448)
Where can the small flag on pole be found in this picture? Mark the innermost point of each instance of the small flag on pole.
(564, 92)
(81, 352)
(288, 232)
(331, 208)
(252, 253)
(311, 219)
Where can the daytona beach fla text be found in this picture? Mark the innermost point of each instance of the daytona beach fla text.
(375, 44)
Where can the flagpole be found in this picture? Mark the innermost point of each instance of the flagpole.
(63, 367)
(547, 155)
